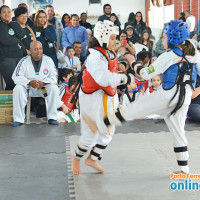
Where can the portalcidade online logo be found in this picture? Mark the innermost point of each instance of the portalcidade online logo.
(185, 182)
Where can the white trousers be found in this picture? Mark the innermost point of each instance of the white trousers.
(74, 114)
(96, 106)
(155, 104)
(20, 95)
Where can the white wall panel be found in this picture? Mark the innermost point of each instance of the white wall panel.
(119, 7)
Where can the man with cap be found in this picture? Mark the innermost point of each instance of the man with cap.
(130, 35)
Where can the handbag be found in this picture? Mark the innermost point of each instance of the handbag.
(59, 54)
(34, 38)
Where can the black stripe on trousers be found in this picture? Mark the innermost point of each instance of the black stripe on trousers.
(182, 162)
(180, 149)
(100, 146)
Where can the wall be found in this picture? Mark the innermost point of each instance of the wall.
(185, 5)
(1, 2)
(123, 8)
(158, 16)
(30, 4)
(14, 3)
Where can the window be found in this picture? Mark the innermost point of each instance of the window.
(94, 2)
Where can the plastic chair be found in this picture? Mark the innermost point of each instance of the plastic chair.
(28, 108)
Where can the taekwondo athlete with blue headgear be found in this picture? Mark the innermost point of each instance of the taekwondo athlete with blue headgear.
(179, 67)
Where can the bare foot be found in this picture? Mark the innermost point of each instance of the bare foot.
(92, 124)
(180, 172)
(62, 121)
(75, 166)
(94, 164)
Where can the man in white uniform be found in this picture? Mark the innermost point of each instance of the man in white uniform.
(190, 21)
(35, 75)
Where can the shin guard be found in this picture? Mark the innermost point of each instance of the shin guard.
(97, 151)
(181, 158)
(80, 151)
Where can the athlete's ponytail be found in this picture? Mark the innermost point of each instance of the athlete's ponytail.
(188, 48)
(93, 42)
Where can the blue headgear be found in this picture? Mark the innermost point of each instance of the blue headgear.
(177, 32)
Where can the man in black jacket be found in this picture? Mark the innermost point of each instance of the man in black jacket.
(107, 12)
(83, 22)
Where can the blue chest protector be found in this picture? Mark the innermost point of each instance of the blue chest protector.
(175, 73)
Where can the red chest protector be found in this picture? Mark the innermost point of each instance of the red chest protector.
(89, 85)
(67, 97)
(151, 89)
(145, 83)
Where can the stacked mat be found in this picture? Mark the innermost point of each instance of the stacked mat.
(6, 107)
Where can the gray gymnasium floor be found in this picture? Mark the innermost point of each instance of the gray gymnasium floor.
(35, 163)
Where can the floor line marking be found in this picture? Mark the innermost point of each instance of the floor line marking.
(70, 176)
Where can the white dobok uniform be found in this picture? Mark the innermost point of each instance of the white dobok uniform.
(158, 103)
(126, 101)
(98, 104)
(23, 74)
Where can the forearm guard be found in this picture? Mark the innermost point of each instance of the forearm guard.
(137, 68)
(115, 118)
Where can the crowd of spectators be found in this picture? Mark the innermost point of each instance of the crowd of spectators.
(22, 32)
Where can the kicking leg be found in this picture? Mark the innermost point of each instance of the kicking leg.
(147, 105)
